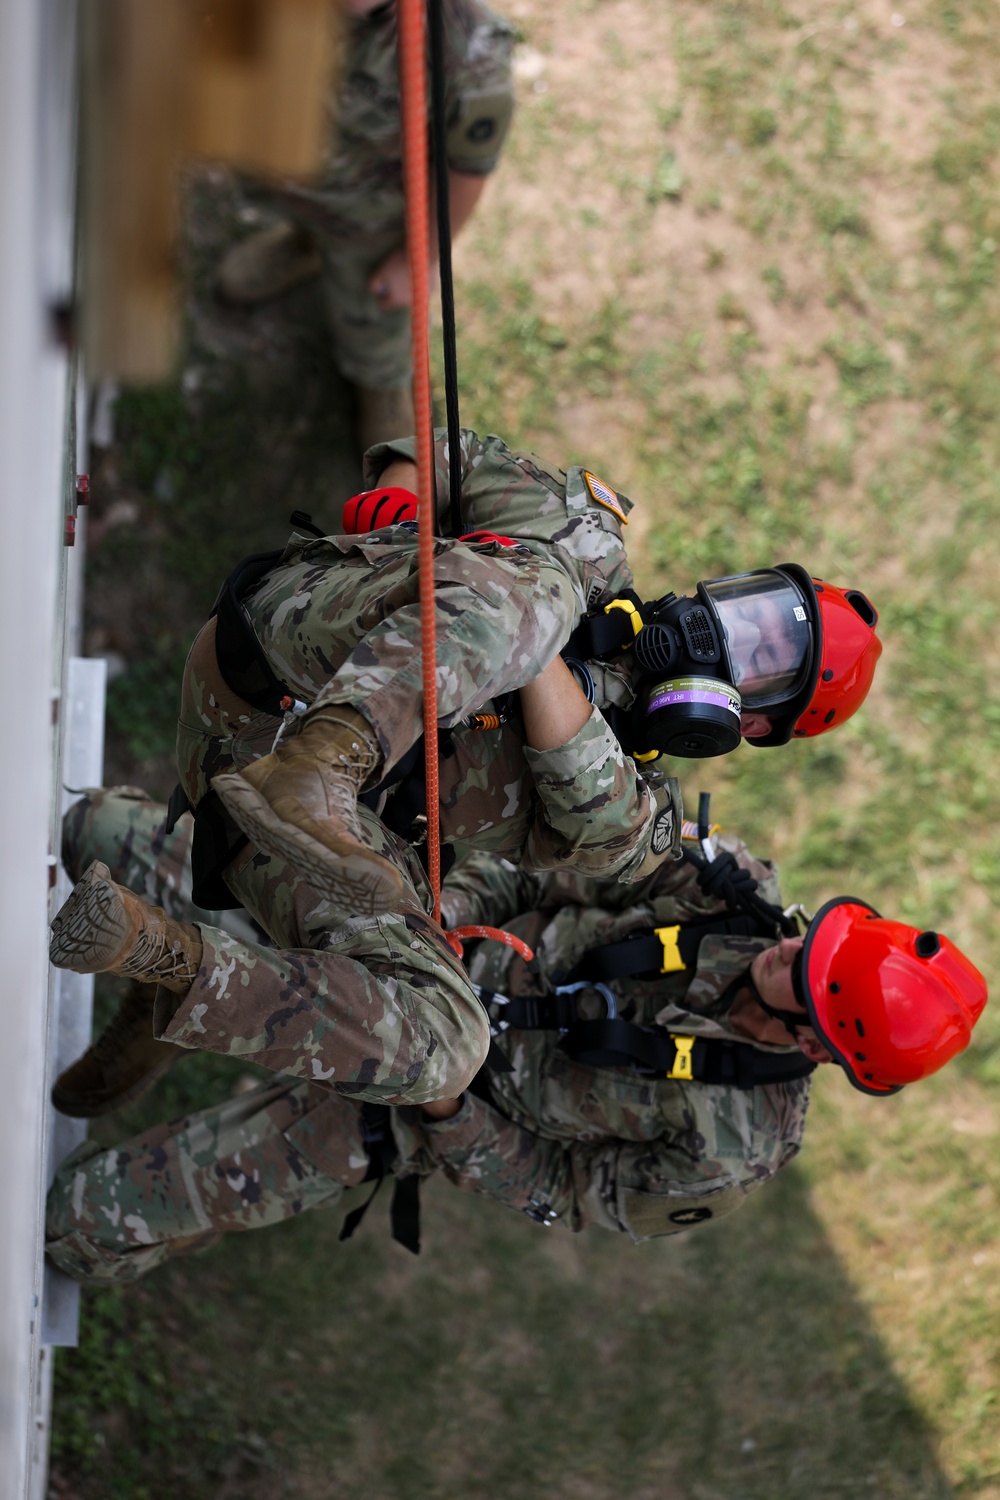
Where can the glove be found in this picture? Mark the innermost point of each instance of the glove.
(373, 509)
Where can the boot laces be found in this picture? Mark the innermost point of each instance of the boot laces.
(157, 957)
(342, 799)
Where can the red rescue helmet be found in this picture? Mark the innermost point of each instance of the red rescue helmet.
(892, 1004)
(373, 509)
(846, 650)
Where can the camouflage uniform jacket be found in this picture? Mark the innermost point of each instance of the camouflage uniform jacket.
(562, 1140)
(360, 195)
(338, 619)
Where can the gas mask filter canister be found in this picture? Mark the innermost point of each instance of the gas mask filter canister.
(688, 709)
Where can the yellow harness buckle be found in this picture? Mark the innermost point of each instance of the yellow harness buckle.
(672, 961)
(634, 616)
(682, 1067)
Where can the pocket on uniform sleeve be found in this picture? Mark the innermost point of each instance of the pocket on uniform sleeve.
(644, 1216)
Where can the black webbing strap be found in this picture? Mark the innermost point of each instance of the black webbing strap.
(404, 1211)
(553, 1012)
(664, 950)
(244, 666)
(613, 1042)
(599, 635)
(177, 805)
(214, 845)
(439, 131)
(658, 1053)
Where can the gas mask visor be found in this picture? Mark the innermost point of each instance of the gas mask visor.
(769, 641)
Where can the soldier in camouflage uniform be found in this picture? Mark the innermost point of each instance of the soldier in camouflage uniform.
(350, 225)
(337, 620)
(555, 1138)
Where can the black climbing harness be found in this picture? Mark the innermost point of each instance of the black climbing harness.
(653, 1051)
(404, 1210)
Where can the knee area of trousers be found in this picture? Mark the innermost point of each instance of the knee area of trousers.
(461, 1054)
(100, 826)
(85, 1259)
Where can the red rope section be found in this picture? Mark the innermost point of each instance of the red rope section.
(458, 935)
(416, 185)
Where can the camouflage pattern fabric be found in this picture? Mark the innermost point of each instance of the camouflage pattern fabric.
(378, 1008)
(557, 1140)
(125, 829)
(356, 211)
(114, 1215)
(604, 1145)
(338, 619)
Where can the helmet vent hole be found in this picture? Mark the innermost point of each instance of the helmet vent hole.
(927, 944)
(828, 675)
(861, 607)
(858, 1026)
(842, 1024)
(860, 1057)
(834, 988)
(830, 716)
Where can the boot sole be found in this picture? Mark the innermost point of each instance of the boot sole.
(93, 926)
(90, 1106)
(351, 878)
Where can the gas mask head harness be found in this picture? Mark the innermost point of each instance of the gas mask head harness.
(745, 644)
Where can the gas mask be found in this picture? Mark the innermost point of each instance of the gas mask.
(743, 644)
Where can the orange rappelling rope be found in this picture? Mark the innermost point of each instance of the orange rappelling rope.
(416, 186)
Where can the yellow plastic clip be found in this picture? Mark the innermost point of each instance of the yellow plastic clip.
(644, 755)
(630, 610)
(672, 961)
(682, 1067)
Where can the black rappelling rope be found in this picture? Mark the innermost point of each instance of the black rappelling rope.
(440, 152)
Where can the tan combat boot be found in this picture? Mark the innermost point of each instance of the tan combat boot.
(300, 803)
(120, 1065)
(383, 414)
(103, 928)
(267, 264)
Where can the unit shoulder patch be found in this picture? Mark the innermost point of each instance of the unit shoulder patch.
(604, 495)
(663, 831)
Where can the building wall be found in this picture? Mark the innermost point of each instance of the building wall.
(36, 254)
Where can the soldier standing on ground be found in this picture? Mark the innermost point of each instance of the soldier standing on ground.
(349, 228)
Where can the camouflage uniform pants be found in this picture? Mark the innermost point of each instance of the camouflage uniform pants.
(267, 1155)
(340, 624)
(371, 344)
(114, 1214)
(378, 1008)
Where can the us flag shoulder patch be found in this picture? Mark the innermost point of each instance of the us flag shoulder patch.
(604, 495)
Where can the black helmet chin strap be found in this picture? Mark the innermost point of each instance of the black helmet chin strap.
(792, 1020)
(725, 879)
